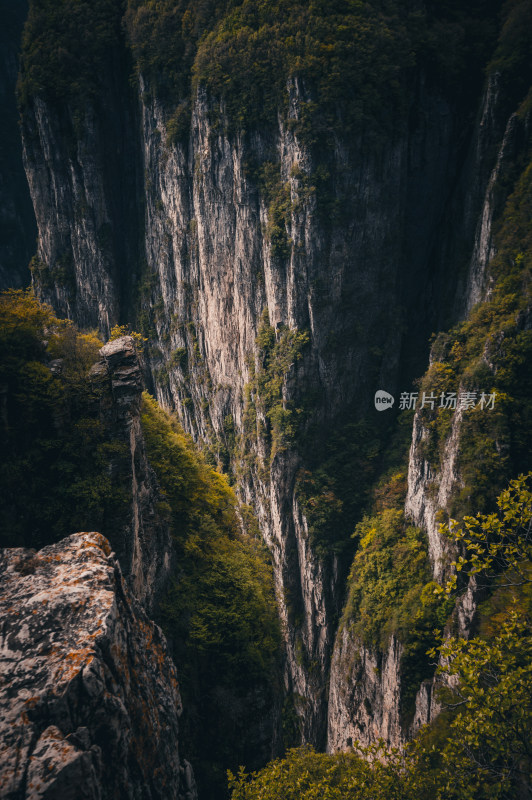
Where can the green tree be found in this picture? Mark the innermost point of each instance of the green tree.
(489, 750)
(488, 681)
(496, 544)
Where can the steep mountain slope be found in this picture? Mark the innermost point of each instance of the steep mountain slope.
(80, 441)
(287, 218)
(460, 458)
(18, 231)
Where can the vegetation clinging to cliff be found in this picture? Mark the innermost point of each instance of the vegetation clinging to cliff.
(491, 351)
(65, 467)
(390, 592)
(220, 612)
(67, 49)
(351, 59)
(55, 451)
(269, 411)
(480, 747)
(343, 54)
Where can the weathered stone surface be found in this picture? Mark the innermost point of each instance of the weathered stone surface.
(89, 697)
(142, 540)
(364, 703)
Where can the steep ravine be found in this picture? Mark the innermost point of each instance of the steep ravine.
(211, 271)
(195, 239)
(366, 685)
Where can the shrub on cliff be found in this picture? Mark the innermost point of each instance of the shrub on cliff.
(306, 775)
(220, 613)
(54, 451)
(479, 748)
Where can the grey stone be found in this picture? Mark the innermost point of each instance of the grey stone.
(89, 696)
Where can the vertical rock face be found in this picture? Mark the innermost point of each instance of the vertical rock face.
(501, 134)
(75, 270)
(363, 274)
(364, 695)
(142, 541)
(422, 504)
(83, 169)
(213, 267)
(18, 231)
(364, 686)
(89, 696)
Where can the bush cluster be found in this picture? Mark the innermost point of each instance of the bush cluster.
(55, 453)
(220, 612)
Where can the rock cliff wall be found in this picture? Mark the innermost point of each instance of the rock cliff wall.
(495, 126)
(366, 685)
(18, 231)
(89, 695)
(142, 540)
(359, 249)
(213, 267)
(85, 177)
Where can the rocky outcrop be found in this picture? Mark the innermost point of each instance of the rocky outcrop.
(89, 696)
(142, 540)
(429, 490)
(364, 697)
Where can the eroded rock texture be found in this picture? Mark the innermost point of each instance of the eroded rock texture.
(89, 696)
(142, 539)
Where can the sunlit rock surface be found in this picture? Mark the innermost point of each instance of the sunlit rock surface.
(89, 698)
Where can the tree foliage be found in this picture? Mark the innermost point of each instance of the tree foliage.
(54, 451)
(496, 545)
(354, 59)
(488, 753)
(67, 49)
(306, 775)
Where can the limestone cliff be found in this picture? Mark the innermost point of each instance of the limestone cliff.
(89, 695)
(142, 540)
(211, 271)
(365, 684)
(423, 504)
(234, 243)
